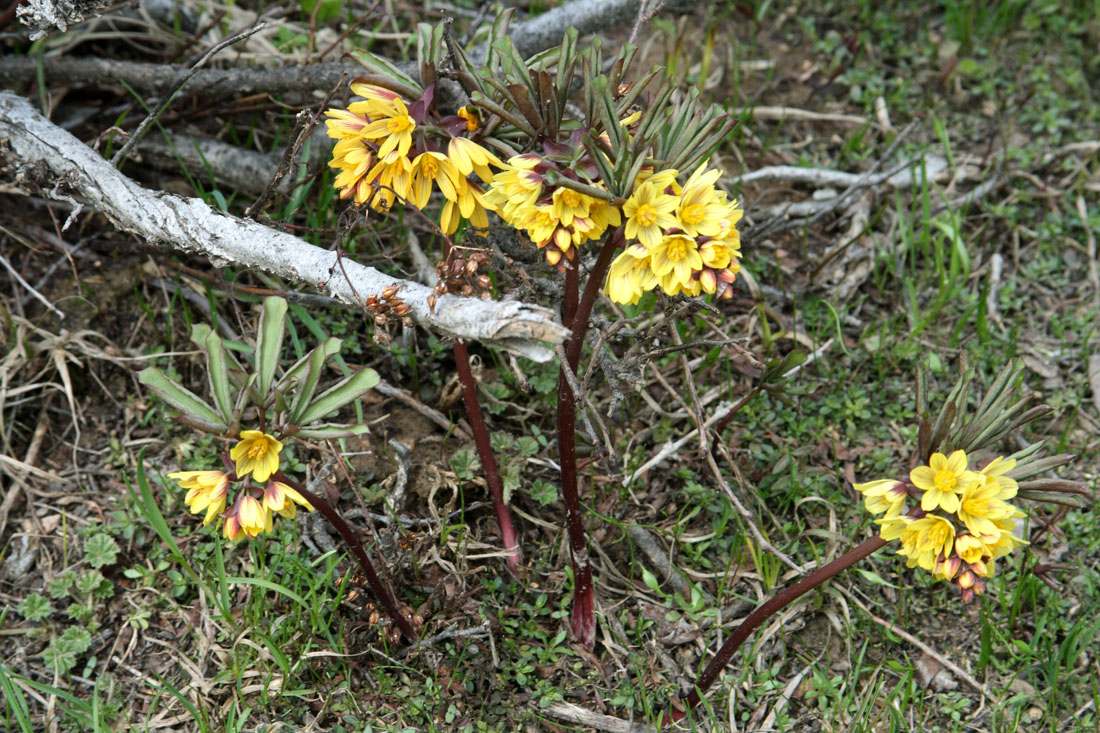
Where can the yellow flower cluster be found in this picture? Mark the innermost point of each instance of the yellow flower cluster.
(556, 218)
(380, 161)
(253, 512)
(687, 238)
(962, 524)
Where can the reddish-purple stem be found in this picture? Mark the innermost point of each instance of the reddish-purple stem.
(352, 540)
(485, 453)
(762, 614)
(575, 316)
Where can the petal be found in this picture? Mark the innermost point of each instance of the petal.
(956, 463)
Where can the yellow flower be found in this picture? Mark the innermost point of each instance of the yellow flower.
(376, 97)
(247, 517)
(648, 211)
(884, 495)
(353, 158)
(1005, 541)
(469, 157)
(258, 454)
(924, 539)
(980, 506)
(428, 168)
(343, 124)
(970, 548)
(515, 188)
(207, 491)
(281, 498)
(664, 181)
(673, 260)
(893, 527)
(569, 204)
(630, 275)
(254, 517)
(390, 180)
(394, 129)
(469, 203)
(470, 114)
(995, 472)
(942, 480)
(700, 209)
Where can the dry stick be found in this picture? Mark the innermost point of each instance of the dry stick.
(575, 316)
(380, 593)
(120, 156)
(763, 613)
(485, 453)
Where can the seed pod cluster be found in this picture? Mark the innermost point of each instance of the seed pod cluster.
(461, 275)
(388, 306)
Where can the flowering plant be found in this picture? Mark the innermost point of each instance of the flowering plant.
(630, 184)
(282, 406)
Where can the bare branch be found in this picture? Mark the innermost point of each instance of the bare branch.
(38, 148)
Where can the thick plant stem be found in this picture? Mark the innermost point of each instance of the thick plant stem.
(380, 593)
(485, 453)
(763, 613)
(575, 316)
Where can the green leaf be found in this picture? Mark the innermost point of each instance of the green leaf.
(269, 342)
(651, 581)
(218, 374)
(383, 67)
(464, 463)
(13, 695)
(308, 381)
(181, 398)
(514, 67)
(331, 346)
(35, 607)
(343, 393)
(498, 31)
(280, 589)
(331, 432)
(100, 550)
(62, 653)
(873, 577)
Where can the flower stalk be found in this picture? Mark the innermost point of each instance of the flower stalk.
(575, 315)
(485, 453)
(352, 541)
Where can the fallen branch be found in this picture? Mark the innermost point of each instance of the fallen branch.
(531, 37)
(39, 150)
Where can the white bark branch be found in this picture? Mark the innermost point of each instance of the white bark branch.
(40, 150)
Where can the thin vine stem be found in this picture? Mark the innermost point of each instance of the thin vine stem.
(485, 453)
(352, 541)
(762, 614)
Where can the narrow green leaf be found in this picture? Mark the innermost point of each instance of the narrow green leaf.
(15, 700)
(269, 342)
(346, 391)
(331, 346)
(218, 374)
(262, 583)
(181, 398)
(386, 68)
(331, 432)
(499, 30)
(307, 384)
